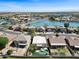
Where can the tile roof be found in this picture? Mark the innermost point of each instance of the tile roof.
(73, 41)
(60, 40)
(22, 37)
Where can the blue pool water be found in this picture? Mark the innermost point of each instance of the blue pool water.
(52, 23)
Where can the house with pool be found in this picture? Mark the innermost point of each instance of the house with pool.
(40, 41)
(39, 47)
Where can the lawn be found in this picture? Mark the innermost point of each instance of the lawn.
(39, 58)
(60, 51)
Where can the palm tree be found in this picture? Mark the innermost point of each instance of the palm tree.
(31, 32)
(66, 25)
(32, 48)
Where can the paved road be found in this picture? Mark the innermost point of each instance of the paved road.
(10, 32)
(46, 33)
(61, 34)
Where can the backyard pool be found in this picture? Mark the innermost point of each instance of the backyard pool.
(46, 22)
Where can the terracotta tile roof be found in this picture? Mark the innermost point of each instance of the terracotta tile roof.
(60, 40)
(22, 37)
(73, 41)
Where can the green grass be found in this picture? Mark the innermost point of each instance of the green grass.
(39, 58)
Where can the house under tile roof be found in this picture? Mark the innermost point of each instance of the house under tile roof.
(73, 41)
(57, 41)
(22, 37)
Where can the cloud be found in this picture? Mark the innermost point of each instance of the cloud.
(37, 7)
(11, 7)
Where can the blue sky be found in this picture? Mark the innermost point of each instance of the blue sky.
(39, 5)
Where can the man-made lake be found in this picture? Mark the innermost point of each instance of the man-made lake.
(6, 22)
(45, 22)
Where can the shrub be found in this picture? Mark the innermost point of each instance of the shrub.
(10, 28)
(9, 52)
(32, 48)
(26, 29)
(57, 35)
(3, 42)
(32, 32)
(52, 19)
(77, 30)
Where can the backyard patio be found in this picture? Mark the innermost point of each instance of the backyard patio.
(60, 51)
(38, 52)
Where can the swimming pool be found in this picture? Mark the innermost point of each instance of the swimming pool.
(45, 22)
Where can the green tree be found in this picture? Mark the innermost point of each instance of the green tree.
(66, 25)
(77, 30)
(10, 28)
(32, 32)
(32, 48)
(1, 17)
(3, 42)
(52, 19)
(57, 35)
